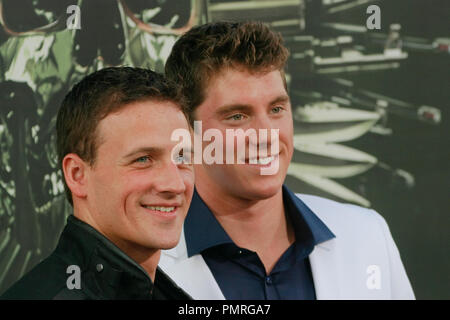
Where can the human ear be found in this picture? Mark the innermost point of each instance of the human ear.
(74, 170)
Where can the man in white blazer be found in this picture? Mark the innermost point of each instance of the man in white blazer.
(247, 236)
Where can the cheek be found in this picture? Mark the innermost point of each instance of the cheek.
(188, 180)
(132, 187)
(287, 132)
(232, 144)
(288, 143)
(104, 187)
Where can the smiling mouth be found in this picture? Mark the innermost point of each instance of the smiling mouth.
(161, 208)
(263, 161)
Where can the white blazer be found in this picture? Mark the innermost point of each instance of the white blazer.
(361, 262)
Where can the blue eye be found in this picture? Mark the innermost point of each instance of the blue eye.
(237, 117)
(180, 159)
(183, 158)
(277, 109)
(143, 159)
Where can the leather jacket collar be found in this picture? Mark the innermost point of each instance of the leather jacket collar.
(106, 271)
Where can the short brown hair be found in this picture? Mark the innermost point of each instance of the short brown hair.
(96, 96)
(205, 50)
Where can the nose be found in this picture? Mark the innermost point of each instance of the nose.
(169, 180)
(263, 125)
(262, 121)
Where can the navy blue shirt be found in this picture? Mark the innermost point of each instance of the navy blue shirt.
(239, 272)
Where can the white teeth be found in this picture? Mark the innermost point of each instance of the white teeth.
(262, 161)
(266, 160)
(162, 209)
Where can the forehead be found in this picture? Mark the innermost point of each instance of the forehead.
(144, 124)
(236, 76)
(240, 86)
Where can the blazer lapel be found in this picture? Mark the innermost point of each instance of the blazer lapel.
(325, 270)
(194, 276)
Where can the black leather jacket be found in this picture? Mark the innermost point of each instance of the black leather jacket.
(106, 272)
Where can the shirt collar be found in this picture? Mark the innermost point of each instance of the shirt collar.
(203, 231)
(300, 212)
(201, 228)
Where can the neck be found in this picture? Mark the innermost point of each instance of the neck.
(147, 258)
(257, 225)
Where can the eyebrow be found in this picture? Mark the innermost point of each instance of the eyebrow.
(282, 98)
(232, 108)
(246, 108)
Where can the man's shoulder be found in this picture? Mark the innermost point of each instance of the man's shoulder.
(344, 218)
(321, 206)
(46, 281)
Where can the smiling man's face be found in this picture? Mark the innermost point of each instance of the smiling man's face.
(238, 99)
(137, 195)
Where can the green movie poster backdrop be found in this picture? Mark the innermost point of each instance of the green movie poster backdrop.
(369, 83)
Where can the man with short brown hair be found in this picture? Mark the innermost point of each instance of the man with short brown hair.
(130, 193)
(247, 236)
